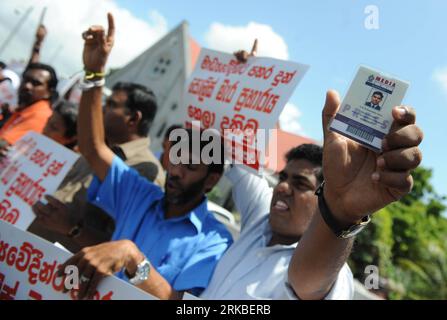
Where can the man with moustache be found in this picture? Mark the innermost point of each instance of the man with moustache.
(295, 239)
(164, 243)
(36, 93)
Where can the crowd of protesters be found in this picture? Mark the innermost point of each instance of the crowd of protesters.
(124, 211)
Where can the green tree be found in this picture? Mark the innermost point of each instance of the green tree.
(408, 242)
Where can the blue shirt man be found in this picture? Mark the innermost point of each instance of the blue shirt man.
(173, 232)
(184, 250)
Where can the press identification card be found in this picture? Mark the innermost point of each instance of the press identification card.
(365, 113)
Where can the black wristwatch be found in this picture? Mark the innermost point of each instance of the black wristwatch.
(331, 221)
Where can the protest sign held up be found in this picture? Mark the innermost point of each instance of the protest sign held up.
(28, 266)
(240, 100)
(35, 166)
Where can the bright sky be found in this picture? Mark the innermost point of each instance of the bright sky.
(330, 36)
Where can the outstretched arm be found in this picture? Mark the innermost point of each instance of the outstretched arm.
(95, 263)
(358, 182)
(251, 195)
(91, 138)
(37, 45)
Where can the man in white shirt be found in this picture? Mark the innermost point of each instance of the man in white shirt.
(293, 244)
(255, 266)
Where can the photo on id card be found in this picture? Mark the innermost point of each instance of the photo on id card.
(365, 115)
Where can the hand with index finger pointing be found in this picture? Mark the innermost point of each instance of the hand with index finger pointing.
(242, 55)
(98, 45)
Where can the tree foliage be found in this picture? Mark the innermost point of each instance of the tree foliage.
(407, 240)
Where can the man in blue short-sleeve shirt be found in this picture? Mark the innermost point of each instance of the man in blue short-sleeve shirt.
(164, 243)
(183, 249)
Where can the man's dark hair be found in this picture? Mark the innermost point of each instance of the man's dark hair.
(52, 82)
(139, 98)
(2, 65)
(311, 153)
(69, 113)
(213, 167)
(378, 93)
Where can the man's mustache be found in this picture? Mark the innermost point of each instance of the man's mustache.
(175, 181)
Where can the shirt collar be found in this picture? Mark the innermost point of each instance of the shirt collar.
(35, 107)
(196, 216)
(132, 148)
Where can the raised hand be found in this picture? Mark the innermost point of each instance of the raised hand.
(41, 33)
(360, 181)
(242, 55)
(98, 46)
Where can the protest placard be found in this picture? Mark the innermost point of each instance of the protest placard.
(28, 266)
(242, 101)
(35, 166)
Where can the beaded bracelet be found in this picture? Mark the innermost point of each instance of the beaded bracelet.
(90, 75)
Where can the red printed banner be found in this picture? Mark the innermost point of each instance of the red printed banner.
(34, 166)
(28, 266)
(240, 100)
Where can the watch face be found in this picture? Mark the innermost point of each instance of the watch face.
(143, 272)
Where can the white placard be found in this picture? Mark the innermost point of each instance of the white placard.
(28, 266)
(243, 97)
(35, 166)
